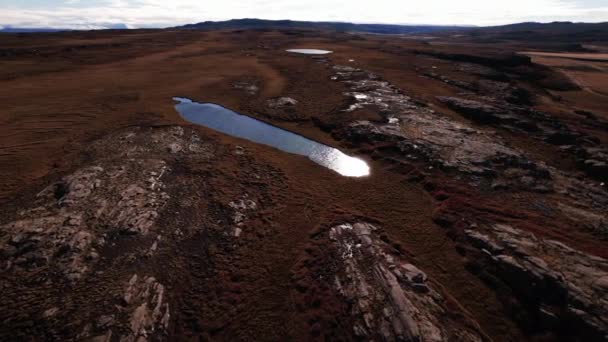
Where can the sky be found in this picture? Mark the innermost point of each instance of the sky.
(93, 14)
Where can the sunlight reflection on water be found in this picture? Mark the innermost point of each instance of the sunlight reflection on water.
(310, 51)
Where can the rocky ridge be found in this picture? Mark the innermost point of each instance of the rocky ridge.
(567, 287)
(558, 282)
(87, 257)
(75, 217)
(417, 133)
(392, 300)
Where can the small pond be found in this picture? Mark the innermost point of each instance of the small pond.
(226, 121)
(310, 51)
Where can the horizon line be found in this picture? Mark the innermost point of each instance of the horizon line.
(160, 27)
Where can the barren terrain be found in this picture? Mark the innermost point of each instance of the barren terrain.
(483, 219)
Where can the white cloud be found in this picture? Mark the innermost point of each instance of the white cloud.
(142, 13)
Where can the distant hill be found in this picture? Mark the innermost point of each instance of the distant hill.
(247, 24)
(555, 31)
(530, 31)
(11, 29)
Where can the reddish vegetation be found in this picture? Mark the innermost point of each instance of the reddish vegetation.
(236, 242)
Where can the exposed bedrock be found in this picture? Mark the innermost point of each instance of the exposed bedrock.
(72, 219)
(95, 254)
(514, 64)
(490, 60)
(566, 290)
(416, 133)
(420, 133)
(560, 286)
(145, 308)
(75, 217)
(593, 160)
(591, 157)
(503, 104)
(384, 296)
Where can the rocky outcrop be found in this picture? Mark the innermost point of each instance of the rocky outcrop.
(510, 63)
(456, 83)
(482, 71)
(497, 61)
(512, 117)
(591, 157)
(594, 161)
(281, 102)
(565, 286)
(392, 300)
(420, 133)
(72, 219)
(493, 84)
(505, 91)
(474, 110)
(250, 88)
(241, 207)
(544, 275)
(137, 236)
(146, 311)
(500, 104)
(76, 216)
(589, 219)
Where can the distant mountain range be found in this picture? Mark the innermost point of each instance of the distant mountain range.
(247, 24)
(13, 29)
(26, 29)
(530, 31)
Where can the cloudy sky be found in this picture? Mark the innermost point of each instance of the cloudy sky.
(163, 13)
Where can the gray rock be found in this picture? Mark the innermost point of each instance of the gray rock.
(422, 134)
(549, 272)
(114, 195)
(282, 102)
(375, 279)
(175, 148)
(248, 87)
(50, 312)
(147, 310)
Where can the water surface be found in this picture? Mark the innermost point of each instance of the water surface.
(226, 121)
(310, 51)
